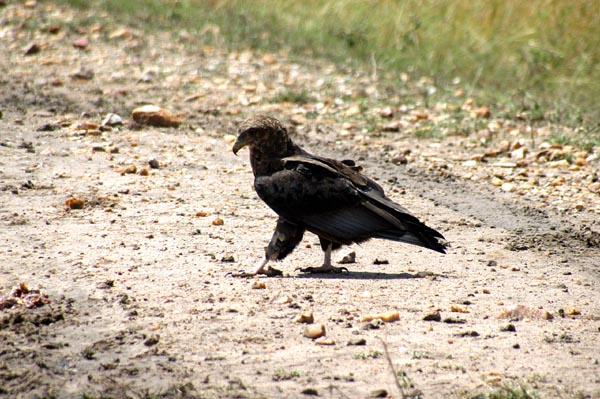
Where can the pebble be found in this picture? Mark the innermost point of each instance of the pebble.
(74, 203)
(357, 342)
(314, 331)
(154, 164)
(350, 258)
(305, 317)
(155, 116)
(310, 392)
(112, 120)
(387, 317)
(259, 285)
(378, 393)
(508, 187)
(435, 316)
(508, 328)
(325, 341)
(218, 222)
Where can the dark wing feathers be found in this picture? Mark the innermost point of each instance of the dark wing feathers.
(333, 200)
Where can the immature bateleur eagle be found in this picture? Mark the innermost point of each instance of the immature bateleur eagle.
(329, 198)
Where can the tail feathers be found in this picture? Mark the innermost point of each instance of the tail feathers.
(420, 238)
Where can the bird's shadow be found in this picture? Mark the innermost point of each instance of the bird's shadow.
(350, 275)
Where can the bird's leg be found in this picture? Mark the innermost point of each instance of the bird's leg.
(258, 269)
(327, 267)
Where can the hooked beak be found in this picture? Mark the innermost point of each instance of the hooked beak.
(241, 142)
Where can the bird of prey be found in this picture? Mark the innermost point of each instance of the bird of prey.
(329, 198)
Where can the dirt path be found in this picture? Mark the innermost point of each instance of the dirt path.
(140, 304)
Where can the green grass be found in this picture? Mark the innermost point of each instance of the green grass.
(505, 392)
(368, 355)
(281, 374)
(539, 57)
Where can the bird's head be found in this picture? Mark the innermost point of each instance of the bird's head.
(261, 131)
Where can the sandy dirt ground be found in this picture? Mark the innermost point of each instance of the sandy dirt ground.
(135, 297)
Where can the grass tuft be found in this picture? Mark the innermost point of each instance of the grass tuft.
(503, 51)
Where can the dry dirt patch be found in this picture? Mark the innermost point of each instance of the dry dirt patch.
(140, 303)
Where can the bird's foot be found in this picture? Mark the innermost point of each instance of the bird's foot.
(269, 272)
(324, 269)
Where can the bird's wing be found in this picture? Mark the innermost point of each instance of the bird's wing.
(336, 202)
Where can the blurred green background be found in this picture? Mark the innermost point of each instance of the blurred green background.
(539, 55)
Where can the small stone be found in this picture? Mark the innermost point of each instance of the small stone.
(563, 163)
(378, 261)
(325, 341)
(112, 120)
(74, 203)
(259, 285)
(516, 346)
(130, 169)
(83, 74)
(470, 333)
(378, 393)
(387, 317)
(155, 116)
(451, 320)
(400, 160)
(218, 222)
(152, 340)
(496, 181)
(144, 172)
(310, 392)
(305, 317)
(393, 126)
(154, 164)
(571, 311)
(350, 258)
(373, 325)
(435, 316)
(228, 259)
(269, 59)
(458, 308)
(314, 331)
(80, 43)
(32, 48)
(508, 187)
(508, 328)
(357, 342)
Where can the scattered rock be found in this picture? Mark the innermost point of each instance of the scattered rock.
(130, 169)
(83, 74)
(350, 258)
(314, 331)
(519, 312)
(435, 316)
(80, 43)
(387, 317)
(228, 259)
(305, 317)
(32, 48)
(112, 120)
(378, 261)
(400, 160)
(154, 164)
(218, 222)
(310, 392)
(152, 340)
(373, 325)
(144, 172)
(325, 341)
(74, 203)
(378, 393)
(470, 333)
(357, 342)
(508, 328)
(155, 116)
(452, 320)
(259, 285)
(458, 308)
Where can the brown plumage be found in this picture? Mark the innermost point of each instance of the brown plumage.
(329, 198)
